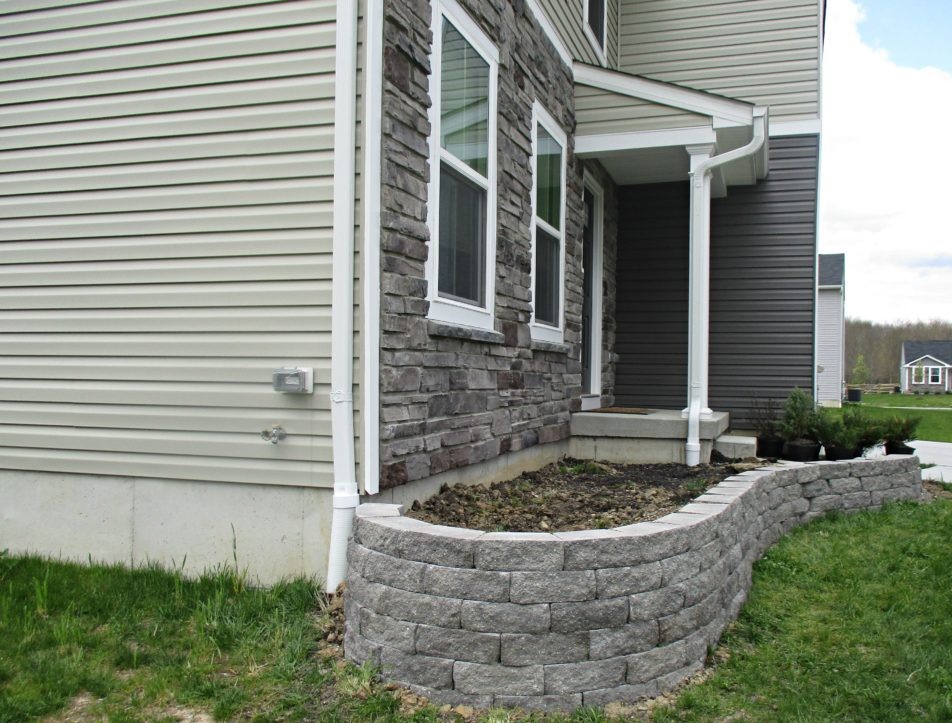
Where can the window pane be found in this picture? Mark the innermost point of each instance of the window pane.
(548, 178)
(596, 18)
(462, 238)
(464, 101)
(546, 297)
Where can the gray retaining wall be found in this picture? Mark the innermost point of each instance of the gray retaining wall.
(555, 621)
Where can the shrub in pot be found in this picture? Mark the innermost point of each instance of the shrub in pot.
(798, 426)
(847, 435)
(766, 418)
(899, 430)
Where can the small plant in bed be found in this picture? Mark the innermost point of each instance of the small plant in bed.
(574, 495)
(799, 427)
(849, 434)
(899, 430)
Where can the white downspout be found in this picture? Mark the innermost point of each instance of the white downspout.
(700, 179)
(346, 495)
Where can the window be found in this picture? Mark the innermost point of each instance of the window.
(548, 226)
(595, 22)
(918, 375)
(935, 375)
(462, 201)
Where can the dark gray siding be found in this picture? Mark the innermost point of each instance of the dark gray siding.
(763, 255)
(763, 271)
(652, 296)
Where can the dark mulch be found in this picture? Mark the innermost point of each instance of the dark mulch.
(574, 495)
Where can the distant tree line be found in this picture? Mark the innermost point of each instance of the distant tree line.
(873, 350)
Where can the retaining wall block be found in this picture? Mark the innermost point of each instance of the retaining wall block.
(652, 664)
(619, 694)
(469, 584)
(589, 675)
(635, 637)
(572, 617)
(544, 648)
(394, 572)
(415, 540)
(506, 617)
(518, 551)
(422, 670)
(621, 581)
(457, 644)
(476, 678)
(384, 630)
(556, 586)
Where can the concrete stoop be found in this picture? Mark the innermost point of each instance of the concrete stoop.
(656, 436)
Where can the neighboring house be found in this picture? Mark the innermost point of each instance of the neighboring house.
(830, 330)
(924, 367)
(463, 221)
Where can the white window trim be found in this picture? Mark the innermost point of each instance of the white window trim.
(937, 371)
(593, 399)
(922, 377)
(442, 309)
(600, 48)
(538, 330)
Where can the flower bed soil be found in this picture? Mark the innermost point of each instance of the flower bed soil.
(574, 495)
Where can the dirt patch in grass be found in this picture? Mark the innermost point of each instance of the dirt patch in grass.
(574, 495)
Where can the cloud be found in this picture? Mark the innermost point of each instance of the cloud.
(884, 198)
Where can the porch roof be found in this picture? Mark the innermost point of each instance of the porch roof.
(639, 128)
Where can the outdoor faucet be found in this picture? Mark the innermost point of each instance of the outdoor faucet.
(274, 435)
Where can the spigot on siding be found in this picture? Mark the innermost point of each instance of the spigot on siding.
(273, 435)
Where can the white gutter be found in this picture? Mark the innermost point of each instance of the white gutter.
(346, 495)
(700, 178)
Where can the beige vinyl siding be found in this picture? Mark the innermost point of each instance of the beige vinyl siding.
(829, 345)
(761, 51)
(566, 16)
(611, 34)
(601, 111)
(166, 237)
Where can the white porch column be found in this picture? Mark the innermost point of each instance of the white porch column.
(699, 279)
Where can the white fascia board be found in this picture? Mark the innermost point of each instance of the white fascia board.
(808, 127)
(927, 356)
(608, 142)
(723, 110)
(550, 32)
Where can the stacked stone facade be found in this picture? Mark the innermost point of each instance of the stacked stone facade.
(541, 620)
(451, 396)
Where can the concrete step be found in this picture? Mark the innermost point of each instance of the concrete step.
(736, 446)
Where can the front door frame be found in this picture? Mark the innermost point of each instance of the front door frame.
(593, 398)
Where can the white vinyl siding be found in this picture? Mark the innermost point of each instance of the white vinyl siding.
(829, 345)
(600, 111)
(761, 51)
(165, 237)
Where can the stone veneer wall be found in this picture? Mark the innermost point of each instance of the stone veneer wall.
(556, 621)
(452, 397)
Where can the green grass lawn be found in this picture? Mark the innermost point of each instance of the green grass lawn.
(936, 424)
(907, 400)
(850, 618)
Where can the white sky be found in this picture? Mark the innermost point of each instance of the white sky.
(886, 176)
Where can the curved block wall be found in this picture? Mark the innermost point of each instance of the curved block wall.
(559, 620)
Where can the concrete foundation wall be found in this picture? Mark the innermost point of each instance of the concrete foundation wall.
(276, 531)
(555, 621)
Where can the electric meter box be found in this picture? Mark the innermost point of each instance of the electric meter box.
(293, 380)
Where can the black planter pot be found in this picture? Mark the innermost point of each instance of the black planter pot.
(801, 451)
(899, 448)
(769, 446)
(834, 453)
